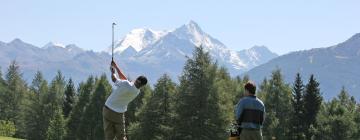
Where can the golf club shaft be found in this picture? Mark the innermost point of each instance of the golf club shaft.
(112, 47)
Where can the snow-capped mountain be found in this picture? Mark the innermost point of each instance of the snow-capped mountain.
(140, 52)
(333, 67)
(256, 55)
(60, 47)
(176, 45)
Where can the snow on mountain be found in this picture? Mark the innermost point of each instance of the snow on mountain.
(138, 39)
(59, 46)
(60, 52)
(74, 49)
(256, 55)
(176, 45)
(51, 45)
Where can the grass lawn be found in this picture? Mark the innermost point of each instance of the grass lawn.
(8, 138)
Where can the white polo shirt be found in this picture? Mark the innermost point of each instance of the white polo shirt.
(123, 93)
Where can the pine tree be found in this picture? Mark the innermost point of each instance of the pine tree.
(263, 87)
(56, 130)
(2, 81)
(357, 122)
(349, 103)
(77, 113)
(239, 90)
(278, 107)
(135, 105)
(155, 119)
(91, 125)
(228, 91)
(60, 83)
(298, 105)
(69, 99)
(198, 112)
(36, 126)
(335, 120)
(312, 103)
(345, 100)
(3, 93)
(13, 100)
(50, 102)
(54, 98)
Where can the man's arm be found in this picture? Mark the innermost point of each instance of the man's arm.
(113, 76)
(238, 111)
(120, 74)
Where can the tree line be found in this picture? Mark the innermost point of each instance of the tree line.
(200, 106)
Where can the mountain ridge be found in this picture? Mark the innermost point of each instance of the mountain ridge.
(165, 55)
(333, 66)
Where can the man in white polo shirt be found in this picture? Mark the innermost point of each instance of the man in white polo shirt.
(116, 104)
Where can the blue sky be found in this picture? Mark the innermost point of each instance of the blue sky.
(282, 26)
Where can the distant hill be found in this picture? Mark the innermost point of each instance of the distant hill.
(334, 67)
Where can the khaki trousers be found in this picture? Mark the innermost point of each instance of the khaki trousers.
(250, 134)
(114, 125)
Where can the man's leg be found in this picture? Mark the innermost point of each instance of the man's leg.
(120, 129)
(248, 134)
(244, 135)
(109, 129)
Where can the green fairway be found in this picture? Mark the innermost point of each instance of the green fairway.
(8, 138)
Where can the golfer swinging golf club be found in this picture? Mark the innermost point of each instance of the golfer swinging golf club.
(116, 104)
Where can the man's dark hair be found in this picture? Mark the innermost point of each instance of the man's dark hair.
(251, 87)
(143, 80)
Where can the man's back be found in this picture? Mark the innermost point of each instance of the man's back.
(121, 96)
(250, 112)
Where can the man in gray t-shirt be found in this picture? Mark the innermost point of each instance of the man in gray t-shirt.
(115, 106)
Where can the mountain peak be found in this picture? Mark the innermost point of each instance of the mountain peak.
(140, 31)
(51, 45)
(192, 32)
(262, 49)
(192, 24)
(257, 47)
(128, 52)
(73, 47)
(16, 41)
(193, 27)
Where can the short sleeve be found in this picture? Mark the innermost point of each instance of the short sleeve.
(118, 82)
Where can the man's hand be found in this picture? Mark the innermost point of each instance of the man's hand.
(113, 64)
(116, 68)
(112, 67)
